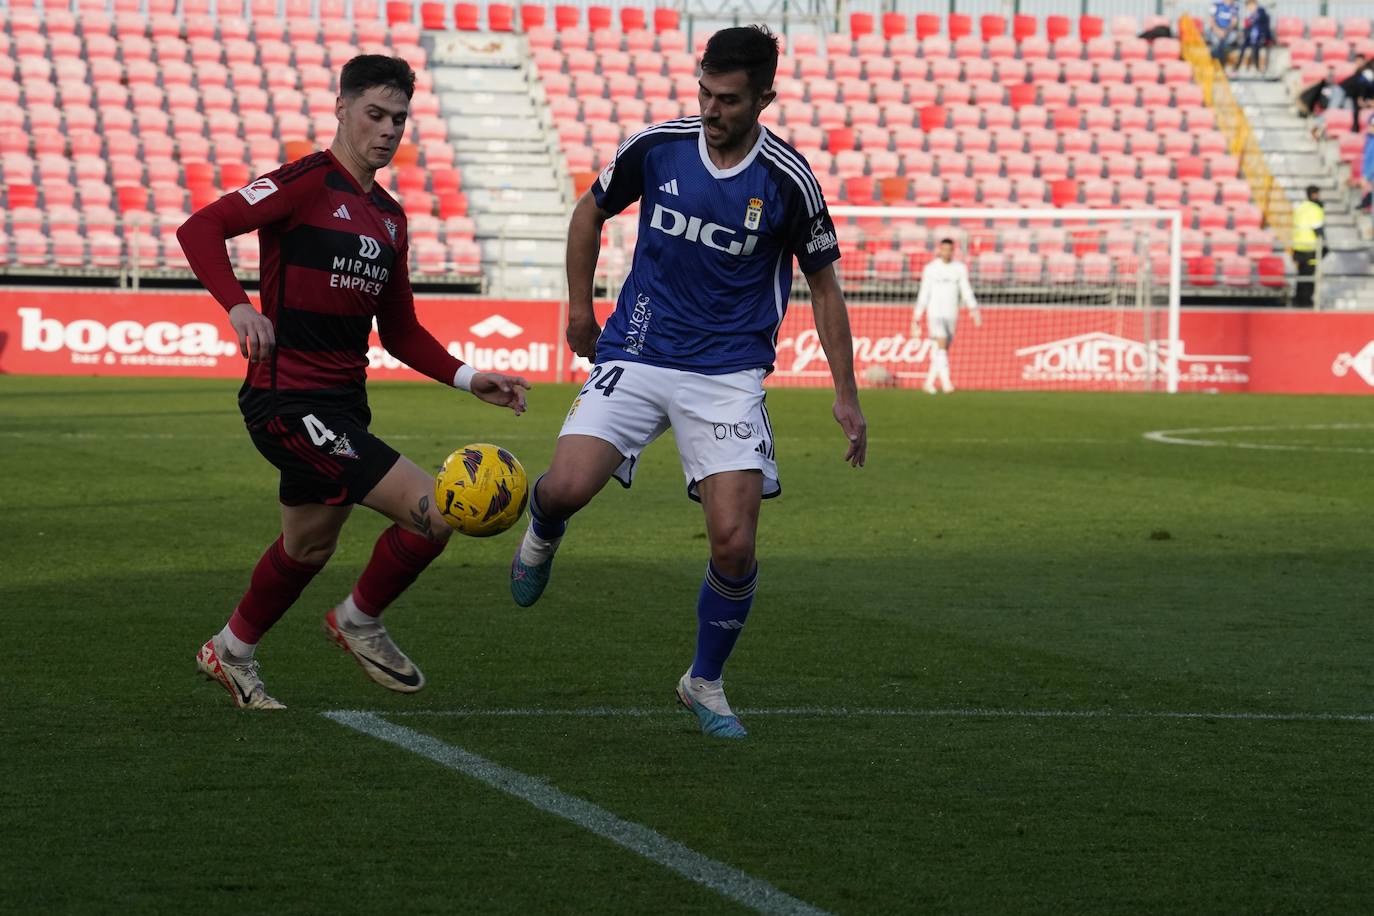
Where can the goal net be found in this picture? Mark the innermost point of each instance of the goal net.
(1075, 299)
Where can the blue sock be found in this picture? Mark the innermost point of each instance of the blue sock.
(545, 526)
(722, 608)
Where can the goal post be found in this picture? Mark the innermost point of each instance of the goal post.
(1071, 299)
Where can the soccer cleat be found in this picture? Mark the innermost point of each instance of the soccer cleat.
(241, 679)
(374, 651)
(929, 386)
(527, 583)
(707, 700)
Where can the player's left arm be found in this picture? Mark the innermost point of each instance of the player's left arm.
(832, 324)
(966, 293)
(407, 340)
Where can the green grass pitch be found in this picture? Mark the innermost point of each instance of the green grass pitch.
(1000, 552)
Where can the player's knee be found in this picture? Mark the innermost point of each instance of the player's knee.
(312, 551)
(732, 552)
(564, 492)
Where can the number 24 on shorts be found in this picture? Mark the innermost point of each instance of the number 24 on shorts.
(604, 385)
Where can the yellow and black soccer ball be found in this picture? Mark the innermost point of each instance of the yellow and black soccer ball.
(481, 490)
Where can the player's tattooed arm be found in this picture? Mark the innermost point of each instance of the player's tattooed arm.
(420, 518)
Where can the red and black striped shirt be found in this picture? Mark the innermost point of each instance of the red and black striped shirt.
(334, 257)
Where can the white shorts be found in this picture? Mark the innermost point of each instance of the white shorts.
(941, 325)
(719, 421)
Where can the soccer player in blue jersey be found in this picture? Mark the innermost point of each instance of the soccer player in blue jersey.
(725, 207)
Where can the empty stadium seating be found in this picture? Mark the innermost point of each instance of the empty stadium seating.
(116, 127)
(942, 112)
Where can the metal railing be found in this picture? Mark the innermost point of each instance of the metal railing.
(1231, 121)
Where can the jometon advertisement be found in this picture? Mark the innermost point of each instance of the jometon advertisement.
(56, 332)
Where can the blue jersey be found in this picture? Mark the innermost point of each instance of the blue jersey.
(1224, 14)
(712, 268)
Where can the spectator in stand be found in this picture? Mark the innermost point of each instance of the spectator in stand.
(1358, 87)
(1367, 167)
(1255, 36)
(1221, 29)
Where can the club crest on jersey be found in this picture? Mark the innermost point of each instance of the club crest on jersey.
(343, 448)
(390, 228)
(753, 214)
(821, 238)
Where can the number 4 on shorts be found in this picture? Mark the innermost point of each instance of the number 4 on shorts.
(319, 433)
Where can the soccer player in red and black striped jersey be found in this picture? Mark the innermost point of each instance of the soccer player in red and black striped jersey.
(334, 258)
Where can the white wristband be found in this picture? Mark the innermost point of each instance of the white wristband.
(462, 379)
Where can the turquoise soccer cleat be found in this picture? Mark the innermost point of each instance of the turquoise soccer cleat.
(707, 700)
(527, 583)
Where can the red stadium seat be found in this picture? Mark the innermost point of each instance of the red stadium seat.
(1089, 27)
(860, 24)
(894, 24)
(566, 17)
(960, 25)
(466, 16)
(1023, 27)
(599, 18)
(992, 26)
(1273, 271)
(632, 19)
(532, 15)
(665, 19)
(927, 25)
(1064, 192)
(1201, 271)
(1057, 27)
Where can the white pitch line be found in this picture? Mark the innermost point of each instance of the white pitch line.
(724, 880)
(843, 712)
(1179, 437)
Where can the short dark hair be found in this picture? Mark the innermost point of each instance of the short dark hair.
(946, 241)
(368, 70)
(1313, 189)
(753, 49)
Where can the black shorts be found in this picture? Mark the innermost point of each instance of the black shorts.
(323, 458)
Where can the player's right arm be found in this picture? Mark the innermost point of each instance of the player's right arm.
(584, 247)
(620, 184)
(263, 202)
(966, 294)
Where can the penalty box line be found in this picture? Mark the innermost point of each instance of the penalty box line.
(842, 712)
(728, 882)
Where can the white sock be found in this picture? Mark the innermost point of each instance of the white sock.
(235, 646)
(534, 550)
(944, 368)
(348, 612)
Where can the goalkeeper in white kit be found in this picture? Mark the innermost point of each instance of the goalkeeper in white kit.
(944, 286)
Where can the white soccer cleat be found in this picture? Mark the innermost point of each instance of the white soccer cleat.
(379, 657)
(706, 700)
(241, 679)
(929, 386)
(948, 388)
